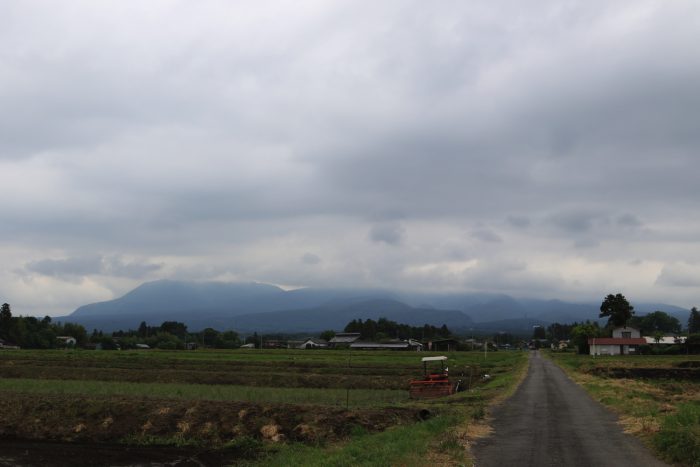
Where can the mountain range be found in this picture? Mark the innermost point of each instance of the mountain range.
(249, 307)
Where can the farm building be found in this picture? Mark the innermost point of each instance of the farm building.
(314, 343)
(438, 345)
(7, 345)
(393, 345)
(625, 341)
(343, 339)
(66, 341)
(665, 340)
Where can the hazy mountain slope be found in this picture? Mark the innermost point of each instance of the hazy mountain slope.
(261, 307)
(336, 316)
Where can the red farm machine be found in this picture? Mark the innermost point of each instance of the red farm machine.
(435, 381)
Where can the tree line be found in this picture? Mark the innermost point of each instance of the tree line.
(34, 333)
(385, 329)
(621, 313)
(170, 335)
(29, 332)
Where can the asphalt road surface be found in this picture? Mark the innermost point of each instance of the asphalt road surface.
(551, 421)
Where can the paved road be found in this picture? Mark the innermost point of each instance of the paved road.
(550, 421)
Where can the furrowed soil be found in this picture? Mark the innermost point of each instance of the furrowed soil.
(206, 423)
(290, 373)
(41, 425)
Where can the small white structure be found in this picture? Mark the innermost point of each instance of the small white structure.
(67, 341)
(665, 340)
(314, 343)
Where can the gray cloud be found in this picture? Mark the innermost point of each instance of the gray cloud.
(680, 275)
(96, 265)
(310, 258)
(67, 267)
(389, 233)
(236, 140)
(519, 221)
(486, 235)
(628, 220)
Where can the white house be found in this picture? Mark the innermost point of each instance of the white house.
(314, 343)
(625, 341)
(67, 341)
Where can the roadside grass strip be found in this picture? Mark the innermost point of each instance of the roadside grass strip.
(409, 445)
(679, 437)
(311, 396)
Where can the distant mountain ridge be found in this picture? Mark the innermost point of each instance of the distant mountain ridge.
(248, 307)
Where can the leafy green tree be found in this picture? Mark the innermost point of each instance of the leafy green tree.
(5, 320)
(657, 321)
(143, 330)
(208, 337)
(74, 330)
(175, 328)
(559, 332)
(254, 339)
(538, 332)
(617, 309)
(228, 340)
(582, 332)
(165, 340)
(694, 321)
(327, 335)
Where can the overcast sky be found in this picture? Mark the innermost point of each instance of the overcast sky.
(543, 149)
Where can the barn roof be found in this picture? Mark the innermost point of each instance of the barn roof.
(616, 341)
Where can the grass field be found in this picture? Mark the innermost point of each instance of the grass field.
(271, 407)
(656, 397)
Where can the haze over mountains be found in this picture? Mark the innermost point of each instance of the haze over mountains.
(266, 308)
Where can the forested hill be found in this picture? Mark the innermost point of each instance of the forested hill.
(264, 307)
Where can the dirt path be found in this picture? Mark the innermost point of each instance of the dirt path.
(551, 421)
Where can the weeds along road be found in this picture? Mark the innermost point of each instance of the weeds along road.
(551, 421)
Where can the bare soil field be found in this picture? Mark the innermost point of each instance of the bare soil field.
(196, 404)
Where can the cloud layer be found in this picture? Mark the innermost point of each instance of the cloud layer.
(545, 149)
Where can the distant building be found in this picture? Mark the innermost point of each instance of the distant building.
(665, 340)
(7, 345)
(441, 345)
(314, 343)
(625, 341)
(66, 341)
(343, 339)
(392, 345)
(275, 344)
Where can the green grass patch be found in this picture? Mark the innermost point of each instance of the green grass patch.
(402, 445)
(333, 397)
(679, 438)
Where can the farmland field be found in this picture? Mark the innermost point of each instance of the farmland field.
(656, 397)
(252, 406)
